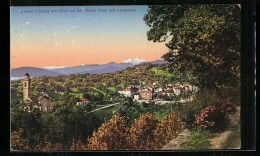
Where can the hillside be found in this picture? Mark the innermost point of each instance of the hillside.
(139, 74)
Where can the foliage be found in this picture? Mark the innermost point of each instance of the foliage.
(161, 72)
(111, 135)
(95, 84)
(141, 133)
(225, 105)
(66, 124)
(205, 38)
(18, 143)
(69, 99)
(168, 129)
(52, 147)
(69, 125)
(201, 99)
(94, 97)
(78, 146)
(129, 110)
(207, 117)
(113, 89)
(198, 140)
(212, 118)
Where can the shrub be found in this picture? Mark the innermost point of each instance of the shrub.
(226, 105)
(211, 118)
(206, 117)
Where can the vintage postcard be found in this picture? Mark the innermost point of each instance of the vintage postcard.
(87, 78)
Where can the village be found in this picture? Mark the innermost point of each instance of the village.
(155, 91)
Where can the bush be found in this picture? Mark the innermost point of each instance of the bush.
(207, 117)
(225, 105)
(211, 118)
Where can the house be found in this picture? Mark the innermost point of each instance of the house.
(188, 86)
(129, 92)
(42, 103)
(158, 89)
(170, 92)
(146, 95)
(83, 102)
(137, 96)
(177, 90)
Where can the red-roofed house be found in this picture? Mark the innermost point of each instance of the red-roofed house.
(177, 90)
(129, 92)
(83, 102)
(187, 86)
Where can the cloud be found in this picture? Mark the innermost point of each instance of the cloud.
(26, 23)
(71, 28)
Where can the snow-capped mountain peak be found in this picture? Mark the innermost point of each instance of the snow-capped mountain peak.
(54, 67)
(134, 61)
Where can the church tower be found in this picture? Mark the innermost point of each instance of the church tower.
(27, 91)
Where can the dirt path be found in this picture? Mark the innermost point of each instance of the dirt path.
(218, 141)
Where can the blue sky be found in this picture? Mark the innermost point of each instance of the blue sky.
(98, 37)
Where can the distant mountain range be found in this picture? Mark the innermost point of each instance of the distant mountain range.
(69, 70)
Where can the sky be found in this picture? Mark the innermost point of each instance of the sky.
(72, 36)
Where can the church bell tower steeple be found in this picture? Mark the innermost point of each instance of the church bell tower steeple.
(27, 91)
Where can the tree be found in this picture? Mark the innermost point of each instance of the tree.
(168, 129)
(18, 143)
(141, 133)
(70, 124)
(205, 38)
(111, 135)
(69, 99)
